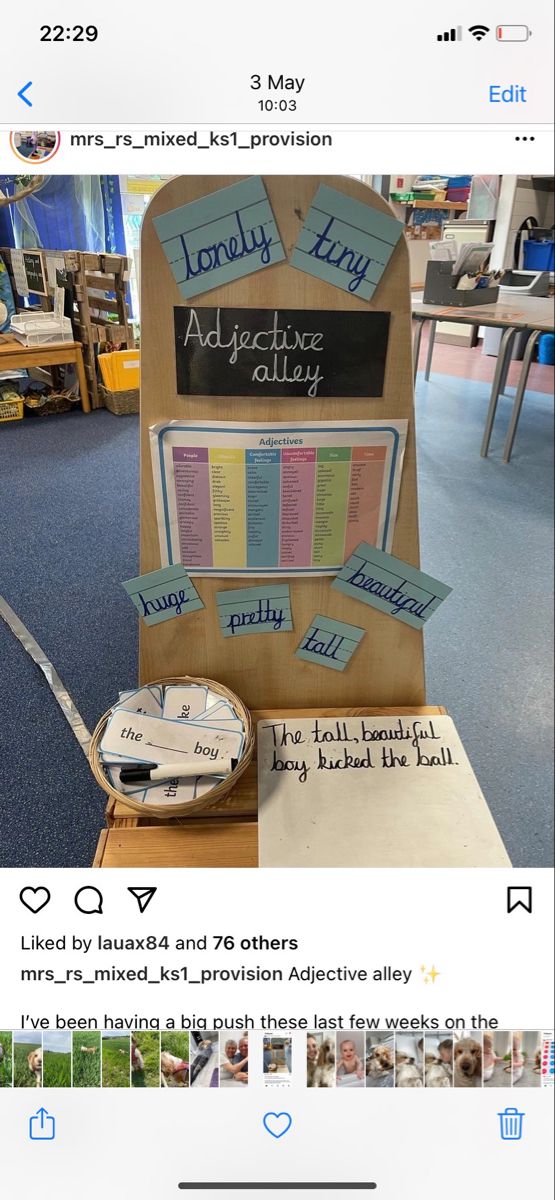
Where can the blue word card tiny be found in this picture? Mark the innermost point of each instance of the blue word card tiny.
(161, 595)
(221, 237)
(329, 643)
(255, 610)
(345, 242)
(385, 582)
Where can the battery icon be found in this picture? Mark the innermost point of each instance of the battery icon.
(512, 33)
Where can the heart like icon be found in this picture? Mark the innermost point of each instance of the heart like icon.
(35, 898)
(277, 1124)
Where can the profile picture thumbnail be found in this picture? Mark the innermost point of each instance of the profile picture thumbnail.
(35, 145)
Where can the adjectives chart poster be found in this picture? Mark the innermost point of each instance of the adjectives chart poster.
(236, 499)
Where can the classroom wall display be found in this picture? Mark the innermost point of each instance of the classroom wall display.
(387, 668)
(345, 242)
(279, 352)
(392, 586)
(371, 791)
(35, 270)
(280, 499)
(220, 237)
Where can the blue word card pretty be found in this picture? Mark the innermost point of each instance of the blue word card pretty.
(392, 586)
(221, 237)
(345, 242)
(255, 610)
(160, 595)
(329, 643)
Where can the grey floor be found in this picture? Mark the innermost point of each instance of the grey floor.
(68, 495)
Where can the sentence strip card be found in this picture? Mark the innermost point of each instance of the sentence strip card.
(329, 643)
(161, 595)
(155, 739)
(221, 237)
(255, 610)
(345, 242)
(392, 586)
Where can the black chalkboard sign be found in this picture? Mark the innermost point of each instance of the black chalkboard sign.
(279, 352)
(35, 271)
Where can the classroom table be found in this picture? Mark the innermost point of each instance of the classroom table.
(15, 356)
(522, 314)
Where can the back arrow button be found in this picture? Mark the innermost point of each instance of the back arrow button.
(22, 96)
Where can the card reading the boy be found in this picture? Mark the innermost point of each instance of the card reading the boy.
(329, 643)
(221, 237)
(345, 242)
(255, 610)
(392, 586)
(160, 595)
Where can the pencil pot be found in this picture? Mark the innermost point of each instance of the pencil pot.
(172, 805)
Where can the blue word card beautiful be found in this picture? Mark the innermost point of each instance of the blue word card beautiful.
(392, 586)
(345, 242)
(255, 610)
(223, 236)
(161, 595)
(329, 643)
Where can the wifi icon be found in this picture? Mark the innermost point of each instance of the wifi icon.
(479, 31)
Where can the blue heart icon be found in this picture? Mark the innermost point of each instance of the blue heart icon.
(277, 1124)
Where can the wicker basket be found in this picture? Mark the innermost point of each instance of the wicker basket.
(209, 799)
(120, 403)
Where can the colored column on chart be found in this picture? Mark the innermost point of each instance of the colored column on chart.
(263, 499)
(298, 470)
(333, 469)
(228, 500)
(365, 494)
(192, 494)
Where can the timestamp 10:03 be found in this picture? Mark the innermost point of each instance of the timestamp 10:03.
(277, 105)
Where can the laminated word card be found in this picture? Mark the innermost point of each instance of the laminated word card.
(392, 586)
(347, 243)
(371, 792)
(221, 237)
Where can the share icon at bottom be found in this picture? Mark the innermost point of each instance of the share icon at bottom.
(143, 896)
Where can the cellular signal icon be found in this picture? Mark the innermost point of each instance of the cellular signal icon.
(451, 35)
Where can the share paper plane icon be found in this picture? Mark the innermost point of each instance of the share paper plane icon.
(143, 896)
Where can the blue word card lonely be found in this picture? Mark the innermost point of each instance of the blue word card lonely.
(221, 237)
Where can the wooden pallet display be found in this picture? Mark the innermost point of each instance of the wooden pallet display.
(100, 282)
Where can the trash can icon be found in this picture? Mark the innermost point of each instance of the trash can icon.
(511, 1124)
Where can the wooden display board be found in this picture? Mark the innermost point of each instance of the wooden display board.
(388, 668)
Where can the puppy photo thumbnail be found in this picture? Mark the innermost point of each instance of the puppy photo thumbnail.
(116, 1060)
(174, 1059)
(145, 1058)
(409, 1060)
(87, 1059)
(467, 1059)
(27, 1059)
(437, 1052)
(380, 1059)
(526, 1058)
(320, 1059)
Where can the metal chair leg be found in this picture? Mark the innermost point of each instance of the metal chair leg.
(519, 397)
(505, 347)
(430, 354)
(416, 346)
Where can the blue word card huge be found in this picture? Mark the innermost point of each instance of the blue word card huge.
(329, 643)
(221, 237)
(255, 610)
(163, 594)
(346, 243)
(392, 586)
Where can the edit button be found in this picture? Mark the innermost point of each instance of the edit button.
(512, 93)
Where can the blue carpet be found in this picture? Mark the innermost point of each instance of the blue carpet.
(69, 498)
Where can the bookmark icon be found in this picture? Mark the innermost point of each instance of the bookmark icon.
(143, 896)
